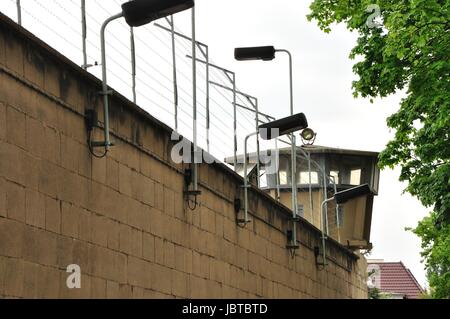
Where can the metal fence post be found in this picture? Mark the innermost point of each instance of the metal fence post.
(258, 160)
(133, 63)
(174, 67)
(235, 121)
(84, 33)
(208, 118)
(19, 12)
(194, 99)
(205, 53)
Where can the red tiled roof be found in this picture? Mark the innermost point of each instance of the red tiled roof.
(396, 278)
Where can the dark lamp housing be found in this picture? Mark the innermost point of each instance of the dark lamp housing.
(141, 12)
(349, 194)
(284, 126)
(266, 53)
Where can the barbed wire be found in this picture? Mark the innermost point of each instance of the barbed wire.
(150, 76)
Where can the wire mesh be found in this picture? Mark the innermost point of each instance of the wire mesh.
(59, 23)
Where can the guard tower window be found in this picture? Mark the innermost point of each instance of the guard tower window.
(355, 177)
(344, 168)
(283, 178)
(350, 170)
(284, 170)
(303, 173)
(304, 178)
(335, 176)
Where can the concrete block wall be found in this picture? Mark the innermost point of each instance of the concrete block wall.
(124, 219)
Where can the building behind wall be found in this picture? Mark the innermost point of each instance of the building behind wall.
(393, 280)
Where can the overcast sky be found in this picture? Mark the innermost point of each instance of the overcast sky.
(322, 75)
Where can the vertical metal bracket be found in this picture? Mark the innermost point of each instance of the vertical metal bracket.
(190, 194)
(19, 12)
(317, 254)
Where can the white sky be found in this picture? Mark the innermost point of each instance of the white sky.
(322, 75)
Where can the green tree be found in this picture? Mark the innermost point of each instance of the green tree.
(408, 49)
(374, 293)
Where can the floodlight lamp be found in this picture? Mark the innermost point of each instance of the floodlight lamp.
(308, 134)
(141, 12)
(283, 126)
(352, 193)
(266, 53)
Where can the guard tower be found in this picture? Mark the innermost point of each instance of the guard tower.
(321, 172)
